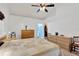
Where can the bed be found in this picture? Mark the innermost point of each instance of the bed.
(29, 47)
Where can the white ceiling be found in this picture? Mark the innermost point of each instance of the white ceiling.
(26, 10)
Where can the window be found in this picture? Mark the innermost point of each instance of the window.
(40, 30)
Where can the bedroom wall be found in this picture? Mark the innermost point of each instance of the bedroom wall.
(17, 23)
(3, 27)
(66, 20)
(14, 23)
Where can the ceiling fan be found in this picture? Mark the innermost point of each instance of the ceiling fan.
(43, 6)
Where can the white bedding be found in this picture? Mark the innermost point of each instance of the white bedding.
(29, 47)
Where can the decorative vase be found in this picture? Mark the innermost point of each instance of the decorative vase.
(25, 27)
(56, 33)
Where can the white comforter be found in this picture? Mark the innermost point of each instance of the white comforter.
(29, 47)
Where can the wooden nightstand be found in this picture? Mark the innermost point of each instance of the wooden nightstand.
(7, 38)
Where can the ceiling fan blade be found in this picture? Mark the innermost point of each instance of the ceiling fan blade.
(51, 5)
(46, 10)
(1, 16)
(36, 5)
(38, 10)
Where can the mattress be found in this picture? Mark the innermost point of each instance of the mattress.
(29, 47)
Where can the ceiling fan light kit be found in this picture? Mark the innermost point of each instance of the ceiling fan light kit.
(43, 7)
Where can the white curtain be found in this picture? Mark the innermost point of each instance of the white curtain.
(40, 30)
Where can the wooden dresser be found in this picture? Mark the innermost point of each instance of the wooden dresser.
(62, 41)
(27, 34)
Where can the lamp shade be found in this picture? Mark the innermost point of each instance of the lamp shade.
(1, 16)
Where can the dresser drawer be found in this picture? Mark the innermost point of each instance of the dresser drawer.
(52, 39)
(63, 42)
(27, 34)
(64, 46)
